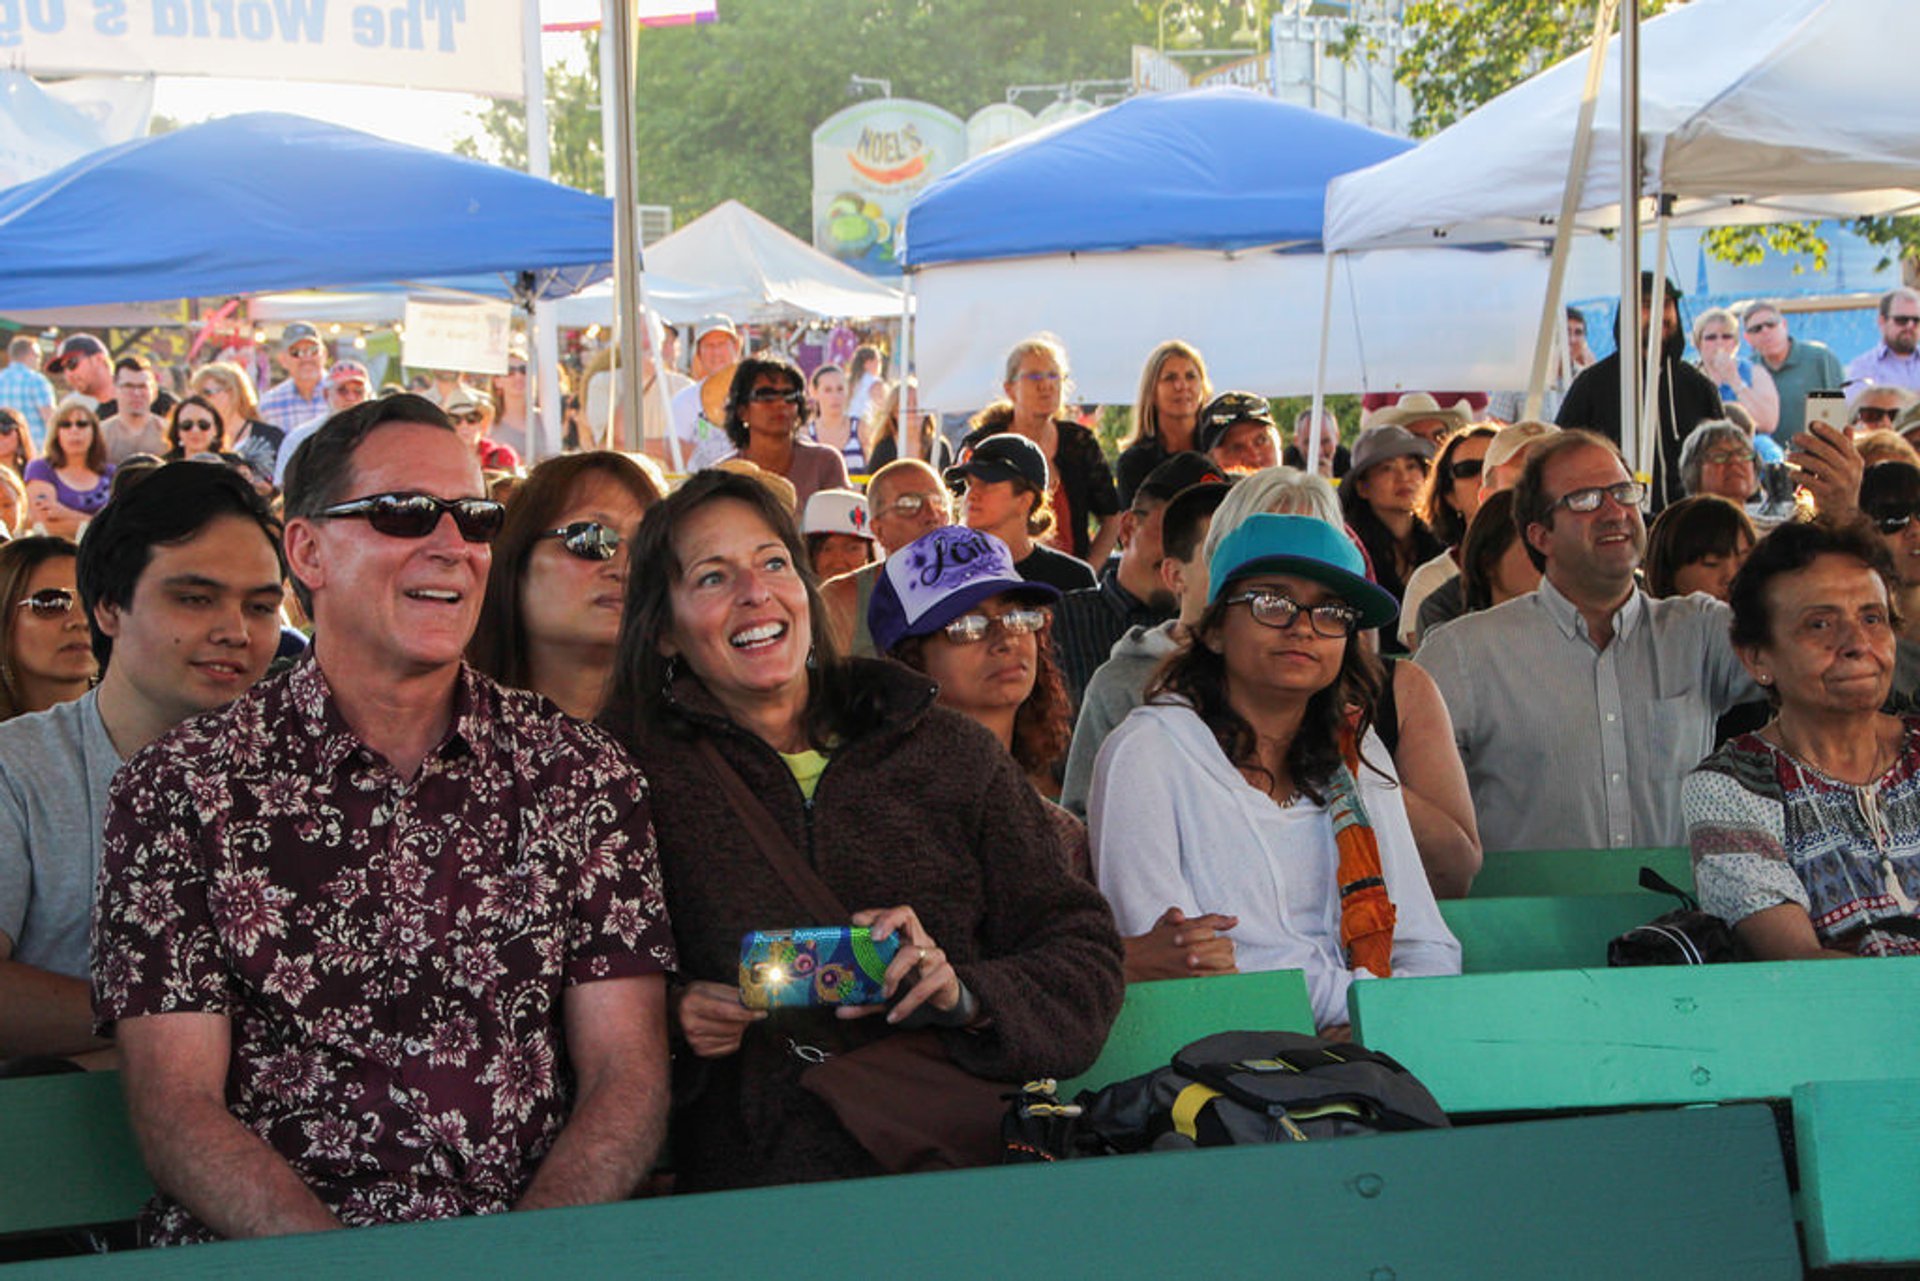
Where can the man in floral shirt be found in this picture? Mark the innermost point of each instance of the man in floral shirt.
(383, 940)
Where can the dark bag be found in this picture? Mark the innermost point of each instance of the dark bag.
(1227, 1089)
(902, 1097)
(1687, 936)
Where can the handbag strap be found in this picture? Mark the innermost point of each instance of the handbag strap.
(815, 895)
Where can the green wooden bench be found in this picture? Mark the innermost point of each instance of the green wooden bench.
(1859, 1151)
(1509, 872)
(1158, 1018)
(1587, 1197)
(1565, 932)
(1560, 1039)
(67, 1155)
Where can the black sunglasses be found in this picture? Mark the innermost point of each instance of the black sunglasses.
(417, 515)
(587, 539)
(1875, 414)
(1466, 468)
(1893, 520)
(49, 602)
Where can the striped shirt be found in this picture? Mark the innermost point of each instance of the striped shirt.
(31, 393)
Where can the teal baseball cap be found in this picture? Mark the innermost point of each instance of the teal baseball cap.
(1307, 548)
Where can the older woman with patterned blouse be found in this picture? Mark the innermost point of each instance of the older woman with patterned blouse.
(1806, 835)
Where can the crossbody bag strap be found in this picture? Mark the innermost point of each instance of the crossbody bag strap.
(815, 895)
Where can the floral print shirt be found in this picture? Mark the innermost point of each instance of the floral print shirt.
(392, 954)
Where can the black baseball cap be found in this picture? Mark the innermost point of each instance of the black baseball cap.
(1179, 472)
(1229, 409)
(1007, 456)
(73, 349)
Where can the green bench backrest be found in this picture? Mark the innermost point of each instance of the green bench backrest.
(1559, 1039)
(1509, 872)
(1859, 1148)
(67, 1155)
(1680, 1194)
(1562, 933)
(1158, 1018)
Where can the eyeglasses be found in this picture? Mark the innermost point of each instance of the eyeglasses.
(1719, 337)
(516, 369)
(1761, 326)
(587, 539)
(1040, 377)
(971, 628)
(1891, 520)
(196, 424)
(1875, 414)
(1466, 468)
(914, 504)
(49, 602)
(1903, 320)
(1628, 493)
(7, 427)
(302, 350)
(74, 422)
(417, 515)
(774, 396)
(1727, 457)
(1278, 610)
(465, 415)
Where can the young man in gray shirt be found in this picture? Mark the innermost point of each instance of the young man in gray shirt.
(181, 580)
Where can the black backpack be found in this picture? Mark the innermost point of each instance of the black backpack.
(1685, 936)
(1229, 1088)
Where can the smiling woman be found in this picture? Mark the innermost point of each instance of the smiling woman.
(774, 766)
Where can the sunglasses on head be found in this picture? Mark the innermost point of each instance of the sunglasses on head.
(587, 539)
(49, 602)
(969, 629)
(418, 515)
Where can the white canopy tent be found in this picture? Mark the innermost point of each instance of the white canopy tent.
(732, 260)
(1750, 111)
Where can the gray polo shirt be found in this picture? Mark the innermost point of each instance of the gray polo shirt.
(1571, 747)
(55, 768)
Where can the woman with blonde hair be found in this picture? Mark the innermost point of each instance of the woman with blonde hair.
(1166, 414)
(229, 389)
(1038, 385)
(1716, 336)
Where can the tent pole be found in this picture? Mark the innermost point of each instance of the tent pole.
(1632, 433)
(1312, 451)
(1569, 207)
(656, 343)
(621, 28)
(545, 355)
(1650, 393)
(903, 408)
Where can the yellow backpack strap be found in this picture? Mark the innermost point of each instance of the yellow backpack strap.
(1186, 1108)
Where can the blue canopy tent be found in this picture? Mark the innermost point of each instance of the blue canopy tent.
(268, 201)
(1194, 215)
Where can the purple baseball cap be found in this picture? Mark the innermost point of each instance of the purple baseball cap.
(938, 577)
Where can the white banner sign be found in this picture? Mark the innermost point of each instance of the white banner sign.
(470, 46)
(470, 337)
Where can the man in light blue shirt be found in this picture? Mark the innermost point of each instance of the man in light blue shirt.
(1578, 708)
(25, 388)
(1893, 362)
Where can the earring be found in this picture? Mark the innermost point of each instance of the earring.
(671, 674)
(813, 659)
(1764, 679)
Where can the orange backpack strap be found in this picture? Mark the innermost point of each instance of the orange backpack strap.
(1366, 913)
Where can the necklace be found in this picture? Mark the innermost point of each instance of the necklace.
(1883, 756)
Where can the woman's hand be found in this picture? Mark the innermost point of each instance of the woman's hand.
(919, 966)
(1179, 946)
(1830, 468)
(713, 1020)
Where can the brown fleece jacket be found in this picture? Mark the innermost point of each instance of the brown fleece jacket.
(929, 811)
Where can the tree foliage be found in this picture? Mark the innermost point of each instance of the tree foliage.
(573, 124)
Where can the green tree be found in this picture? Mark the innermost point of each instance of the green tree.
(573, 124)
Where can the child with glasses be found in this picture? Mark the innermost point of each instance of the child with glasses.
(1241, 787)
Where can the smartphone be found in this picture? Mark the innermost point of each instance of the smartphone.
(815, 966)
(1829, 407)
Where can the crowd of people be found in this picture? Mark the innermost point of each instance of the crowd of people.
(391, 815)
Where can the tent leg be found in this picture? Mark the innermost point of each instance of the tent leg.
(1312, 451)
(1633, 437)
(619, 26)
(1650, 393)
(905, 406)
(1569, 209)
